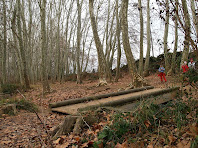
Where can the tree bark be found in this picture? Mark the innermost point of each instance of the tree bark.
(166, 58)
(187, 32)
(173, 62)
(101, 58)
(118, 28)
(140, 70)
(195, 18)
(137, 80)
(46, 87)
(146, 65)
(4, 43)
(21, 46)
(79, 81)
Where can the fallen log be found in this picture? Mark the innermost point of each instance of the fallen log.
(130, 99)
(80, 100)
(76, 123)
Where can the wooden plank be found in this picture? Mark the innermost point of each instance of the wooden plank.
(111, 101)
(85, 99)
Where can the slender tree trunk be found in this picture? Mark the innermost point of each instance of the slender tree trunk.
(118, 27)
(78, 43)
(140, 70)
(4, 43)
(87, 60)
(21, 46)
(46, 87)
(173, 63)
(187, 32)
(195, 17)
(30, 42)
(137, 80)
(166, 37)
(58, 44)
(146, 66)
(101, 57)
(19, 62)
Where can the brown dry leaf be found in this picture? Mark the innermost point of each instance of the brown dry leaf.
(161, 140)
(150, 145)
(194, 129)
(102, 123)
(125, 144)
(90, 132)
(57, 141)
(71, 136)
(184, 144)
(100, 145)
(133, 145)
(147, 123)
(85, 144)
(65, 145)
(77, 138)
(6, 142)
(118, 145)
(137, 145)
(172, 139)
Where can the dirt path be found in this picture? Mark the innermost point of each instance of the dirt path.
(25, 129)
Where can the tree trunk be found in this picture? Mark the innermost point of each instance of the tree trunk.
(146, 66)
(140, 70)
(118, 27)
(79, 81)
(195, 18)
(21, 46)
(4, 43)
(101, 58)
(187, 32)
(173, 62)
(137, 80)
(19, 62)
(166, 37)
(46, 87)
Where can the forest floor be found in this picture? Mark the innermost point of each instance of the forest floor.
(27, 129)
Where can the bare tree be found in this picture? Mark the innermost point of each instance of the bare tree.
(21, 46)
(140, 70)
(46, 87)
(146, 66)
(101, 58)
(187, 32)
(118, 29)
(195, 18)
(4, 43)
(137, 80)
(173, 64)
(78, 43)
(166, 36)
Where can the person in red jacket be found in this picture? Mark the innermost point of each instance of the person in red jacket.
(185, 67)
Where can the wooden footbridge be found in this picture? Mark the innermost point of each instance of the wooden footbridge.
(123, 100)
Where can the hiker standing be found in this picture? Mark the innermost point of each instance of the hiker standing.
(162, 74)
(185, 67)
(191, 64)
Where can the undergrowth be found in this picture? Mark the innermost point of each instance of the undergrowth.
(21, 104)
(10, 88)
(147, 119)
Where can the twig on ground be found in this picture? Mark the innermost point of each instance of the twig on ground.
(85, 122)
(21, 94)
(157, 134)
